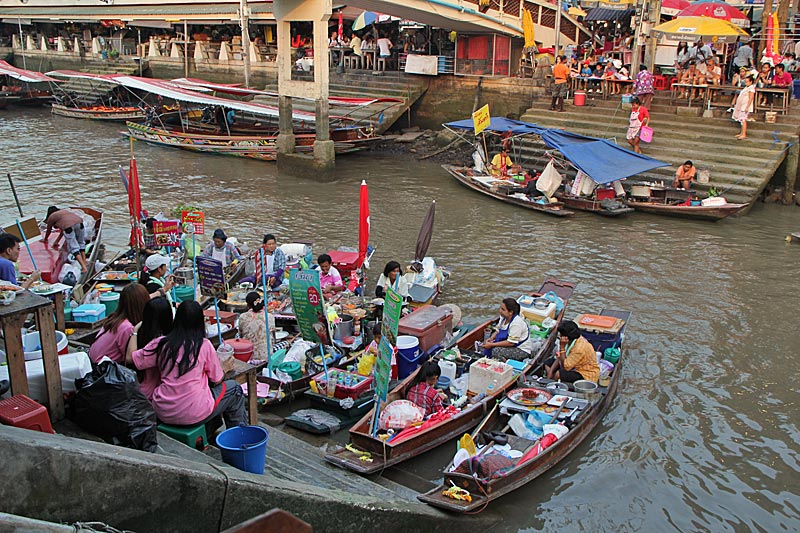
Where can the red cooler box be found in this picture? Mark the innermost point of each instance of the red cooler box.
(429, 324)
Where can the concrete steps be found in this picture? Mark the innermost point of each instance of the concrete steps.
(739, 168)
(364, 85)
(87, 92)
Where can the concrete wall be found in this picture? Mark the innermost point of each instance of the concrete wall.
(451, 98)
(61, 479)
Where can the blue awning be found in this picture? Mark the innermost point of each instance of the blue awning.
(601, 159)
(500, 125)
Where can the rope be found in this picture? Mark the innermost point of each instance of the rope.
(99, 527)
(610, 122)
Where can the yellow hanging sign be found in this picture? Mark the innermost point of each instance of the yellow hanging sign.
(481, 118)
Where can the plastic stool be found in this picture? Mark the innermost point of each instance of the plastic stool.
(660, 83)
(22, 412)
(194, 436)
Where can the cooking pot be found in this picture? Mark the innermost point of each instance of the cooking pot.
(585, 388)
(541, 303)
(344, 328)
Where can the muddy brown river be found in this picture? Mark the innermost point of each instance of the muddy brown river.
(703, 435)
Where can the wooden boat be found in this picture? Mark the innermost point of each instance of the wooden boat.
(254, 147)
(502, 190)
(582, 421)
(384, 454)
(50, 258)
(112, 114)
(648, 198)
(592, 205)
(794, 237)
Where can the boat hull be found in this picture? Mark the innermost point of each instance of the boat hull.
(591, 205)
(95, 113)
(697, 212)
(557, 210)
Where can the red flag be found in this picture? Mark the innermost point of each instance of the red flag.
(135, 202)
(341, 24)
(363, 224)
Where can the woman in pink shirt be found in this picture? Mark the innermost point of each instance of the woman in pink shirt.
(112, 340)
(187, 364)
(157, 322)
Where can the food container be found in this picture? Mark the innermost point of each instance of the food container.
(348, 384)
(430, 324)
(226, 317)
(601, 331)
(485, 372)
(585, 388)
(111, 301)
(89, 313)
(242, 349)
(7, 297)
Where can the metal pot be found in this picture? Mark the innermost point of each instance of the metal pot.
(344, 328)
(585, 388)
(541, 303)
(557, 386)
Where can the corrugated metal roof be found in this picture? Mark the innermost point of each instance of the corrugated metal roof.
(157, 12)
(606, 14)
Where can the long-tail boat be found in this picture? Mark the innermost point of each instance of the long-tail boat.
(382, 453)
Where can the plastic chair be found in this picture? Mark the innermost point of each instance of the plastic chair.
(660, 83)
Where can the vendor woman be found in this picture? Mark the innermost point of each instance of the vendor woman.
(155, 279)
(273, 259)
(512, 340)
(576, 358)
(222, 250)
(389, 278)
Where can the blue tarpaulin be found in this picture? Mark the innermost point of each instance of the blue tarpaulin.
(601, 159)
(500, 125)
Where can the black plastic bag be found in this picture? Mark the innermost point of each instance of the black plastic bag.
(109, 404)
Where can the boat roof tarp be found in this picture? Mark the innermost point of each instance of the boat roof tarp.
(500, 125)
(603, 160)
(27, 76)
(167, 89)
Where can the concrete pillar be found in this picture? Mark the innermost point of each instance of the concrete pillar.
(76, 46)
(15, 41)
(60, 45)
(96, 46)
(43, 43)
(224, 51)
(29, 44)
(176, 51)
(255, 54)
(200, 51)
(792, 158)
(285, 141)
(152, 48)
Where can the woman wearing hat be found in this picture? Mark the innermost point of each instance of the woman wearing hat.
(575, 359)
(155, 278)
(220, 249)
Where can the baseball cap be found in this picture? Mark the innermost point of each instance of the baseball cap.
(155, 261)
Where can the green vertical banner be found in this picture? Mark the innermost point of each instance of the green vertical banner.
(306, 294)
(392, 306)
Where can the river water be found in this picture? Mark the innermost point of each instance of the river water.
(703, 434)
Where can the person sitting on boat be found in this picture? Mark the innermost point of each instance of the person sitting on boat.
(155, 278)
(502, 165)
(685, 175)
(422, 392)
(220, 249)
(113, 337)
(329, 278)
(512, 340)
(192, 390)
(274, 260)
(253, 327)
(391, 277)
(150, 246)
(9, 254)
(71, 226)
(575, 359)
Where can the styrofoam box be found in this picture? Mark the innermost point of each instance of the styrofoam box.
(485, 372)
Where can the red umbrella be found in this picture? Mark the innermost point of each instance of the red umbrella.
(717, 10)
(341, 24)
(673, 7)
(363, 223)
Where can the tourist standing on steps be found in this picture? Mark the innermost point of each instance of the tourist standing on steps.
(744, 105)
(560, 79)
(639, 117)
(643, 86)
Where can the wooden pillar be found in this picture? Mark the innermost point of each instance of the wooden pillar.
(58, 302)
(52, 371)
(15, 356)
(792, 158)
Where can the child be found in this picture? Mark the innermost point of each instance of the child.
(376, 339)
(423, 392)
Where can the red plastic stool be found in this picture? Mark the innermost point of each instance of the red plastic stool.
(660, 83)
(22, 412)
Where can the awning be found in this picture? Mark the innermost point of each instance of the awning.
(28, 76)
(500, 125)
(603, 161)
(172, 12)
(605, 14)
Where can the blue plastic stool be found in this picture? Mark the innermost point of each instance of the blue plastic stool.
(194, 436)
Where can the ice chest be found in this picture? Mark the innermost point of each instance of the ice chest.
(226, 317)
(485, 372)
(537, 315)
(89, 313)
(348, 384)
(429, 324)
(600, 330)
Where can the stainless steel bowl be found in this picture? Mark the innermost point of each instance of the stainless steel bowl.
(541, 303)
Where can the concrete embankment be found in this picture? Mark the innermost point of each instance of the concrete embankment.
(62, 479)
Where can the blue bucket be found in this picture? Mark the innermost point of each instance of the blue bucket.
(244, 447)
(409, 356)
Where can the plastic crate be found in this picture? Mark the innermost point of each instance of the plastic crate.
(22, 412)
(341, 377)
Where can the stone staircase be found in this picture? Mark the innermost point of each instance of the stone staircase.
(364, 84)
(740, 169)
(87, 92)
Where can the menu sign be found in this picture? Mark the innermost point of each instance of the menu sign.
(193, 222)
(392, 306)
(306, 294)
(167, 232)
(211, 275)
